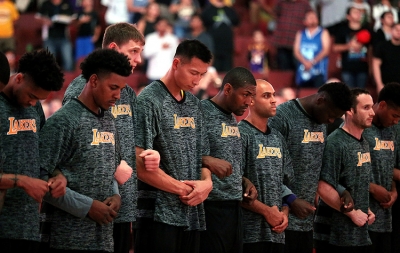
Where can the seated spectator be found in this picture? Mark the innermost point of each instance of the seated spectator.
(183, 11)
(257, 54)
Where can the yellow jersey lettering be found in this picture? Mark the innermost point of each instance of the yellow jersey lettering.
(183, 122)
(121, 110)
(268, 151)
(379, 144)
(21, 125)
(102, 137)
(313, 137)
(229, 131)
(363, 158)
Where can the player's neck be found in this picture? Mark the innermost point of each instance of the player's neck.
(352, 129)
(219, 99)
(87, 99)
(258, 122)
(172, 87)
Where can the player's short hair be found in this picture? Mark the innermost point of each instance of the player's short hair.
(4, 69)
(122, 33)
(338, 94)
(238, 77)
(355, 92)
(41, 66)
(390, 93)
(104, 62)
(189, 49)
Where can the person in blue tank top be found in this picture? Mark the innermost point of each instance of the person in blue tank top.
(311, 49)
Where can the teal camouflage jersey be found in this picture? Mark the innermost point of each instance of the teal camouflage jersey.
(305, 140)
(124, 114)
(19, 154)
(381, 145)
(83, 146)
(266, 162)
(347, 162)
(173, 128)
(224, 139)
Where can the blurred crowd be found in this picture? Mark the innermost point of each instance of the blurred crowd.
(284, 35)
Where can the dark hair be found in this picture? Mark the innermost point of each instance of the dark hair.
(238, 77)
(189, 49)
(41, 66)
(338, 94)
(105, 61)
(355, 92)
(390, 93)
(4, 69)
(349, 9)
(384, 14)
(121, 33)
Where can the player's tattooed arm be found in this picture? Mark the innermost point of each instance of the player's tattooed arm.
(34, 187)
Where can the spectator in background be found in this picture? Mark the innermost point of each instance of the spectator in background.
(384, 33)
(289, 18)
(219, 20)
(332, 13)
(198, 32)
(365, 9)
(147, 22)
(89, 30)
(257, 54)
(56, 16)
(9, 14)
(183, 11)
(116, 12)
(136, 9)
(262, 14)
(386, 60)
(311, 48)
(380, 8)
(353, 53)
(159, 50)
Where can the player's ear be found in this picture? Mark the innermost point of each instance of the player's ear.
(93, 80)
(227, 88)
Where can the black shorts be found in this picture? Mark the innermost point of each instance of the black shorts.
(298, 241)
(224, 233)
(156, 237)
(381, 242)
(263, 247)
(122, 237)
(12, 246)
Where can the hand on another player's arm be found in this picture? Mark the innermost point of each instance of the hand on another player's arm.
(371, 217)
(250, 193)
(219, 167)
(347, 202)
(393, 196)
(201, 189)
(301, 208)
(358, 217)
(34, 187)
(114, 202)
(379, 193)
(101, 212)
(57, 184)
(280, 228)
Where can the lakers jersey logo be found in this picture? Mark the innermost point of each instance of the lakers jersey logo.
(383, 144)
(363, 158)
(17, 125)
(121, 110)
(313, 137)
(229, 131)
(268, 151)
(183, 122)
(102, 137)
